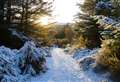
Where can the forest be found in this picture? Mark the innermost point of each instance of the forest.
(59, 40)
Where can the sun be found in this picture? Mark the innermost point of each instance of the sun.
(42, 20)
(65, 10)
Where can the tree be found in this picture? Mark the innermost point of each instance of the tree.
(116, 8)
(88, 6)
(108, 8)
(22, 11)
(39, 9)
(32, 9)
(2, 3)
(17, 14)
(88, 32)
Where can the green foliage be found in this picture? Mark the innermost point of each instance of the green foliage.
(88, 6)
(116, 8)
(60, 34)
(108, 8)
(108, 32)
(88, 33)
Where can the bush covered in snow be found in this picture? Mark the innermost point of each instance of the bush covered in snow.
(17, 65)
(103, 5)
(108, 8)
(105, 20)
(108, 57)
(109, 27)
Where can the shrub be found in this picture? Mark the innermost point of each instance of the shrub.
(80, 42)
(31, 58)
(18, 65)
(109, 54)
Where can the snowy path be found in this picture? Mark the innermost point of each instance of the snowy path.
(63, 68)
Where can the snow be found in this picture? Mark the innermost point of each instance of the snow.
(106, 21)
(80, 53)
(63, 67)
(103, 5)
(20, 35)
(10, 61)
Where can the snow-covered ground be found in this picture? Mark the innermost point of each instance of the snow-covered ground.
(63, 67)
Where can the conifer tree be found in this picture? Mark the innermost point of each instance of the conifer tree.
(88, 6)
(89, 31)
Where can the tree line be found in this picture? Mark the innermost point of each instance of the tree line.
(22, 11)
(19, 15)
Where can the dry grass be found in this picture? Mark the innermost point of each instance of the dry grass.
(109, 55)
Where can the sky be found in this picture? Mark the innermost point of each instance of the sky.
(64, 10)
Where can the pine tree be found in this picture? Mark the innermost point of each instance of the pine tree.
(89, 31)
(89, 6)
(17, 15)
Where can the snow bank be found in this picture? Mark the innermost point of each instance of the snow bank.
(81, 53)
(87, 63)
(85, 57)
(18, 65)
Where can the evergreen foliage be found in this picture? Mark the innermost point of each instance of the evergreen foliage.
(88, 6)
(89, 32)
(18, 65)
(19, 15)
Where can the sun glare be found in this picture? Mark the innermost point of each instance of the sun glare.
(43, 20)
(64, 10)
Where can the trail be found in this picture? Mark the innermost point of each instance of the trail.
(63, 68)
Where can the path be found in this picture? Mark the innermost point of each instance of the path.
(63, 68)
